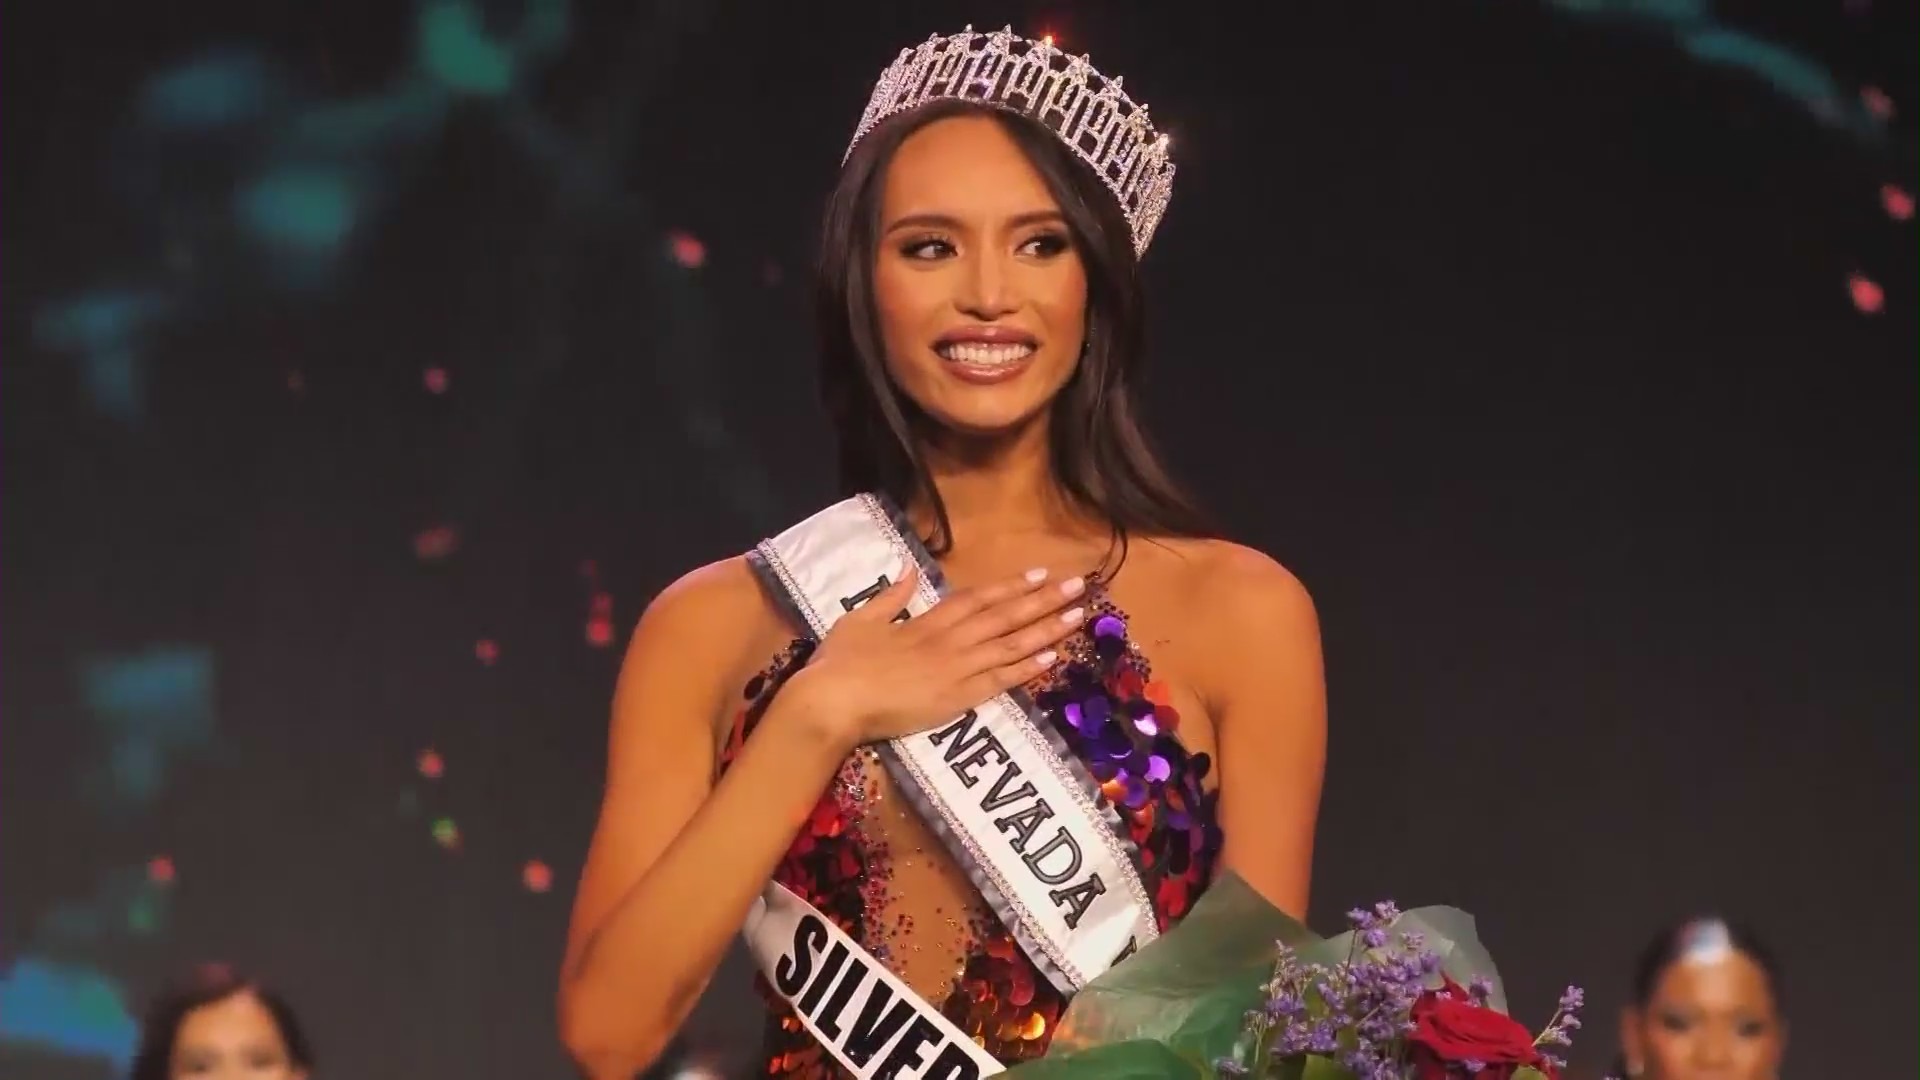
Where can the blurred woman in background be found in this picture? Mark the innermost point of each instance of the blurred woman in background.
(1706, 1003)
(219, 1025)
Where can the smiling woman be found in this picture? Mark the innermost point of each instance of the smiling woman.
(915, 742)
(961, 223)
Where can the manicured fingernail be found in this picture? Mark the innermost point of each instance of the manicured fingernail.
(1036, 575)
(1072, 618)
(1072, 586)
(1047, 658)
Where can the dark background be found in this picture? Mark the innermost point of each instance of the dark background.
(1522, 332)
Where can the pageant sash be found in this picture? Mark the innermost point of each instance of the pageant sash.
(1018, 812)
(866, 1017)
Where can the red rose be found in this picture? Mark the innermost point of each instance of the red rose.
(1449, 1030)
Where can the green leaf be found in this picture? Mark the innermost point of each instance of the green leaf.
(1137, 1059)
(1323, 1068)
(1525, 1073)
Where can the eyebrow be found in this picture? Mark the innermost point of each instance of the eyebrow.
(947, 221)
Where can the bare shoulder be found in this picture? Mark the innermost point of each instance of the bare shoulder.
(1238, 587)
(720, 595)
(1242, 616)
(710, 629)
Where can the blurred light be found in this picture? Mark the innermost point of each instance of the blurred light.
(215, 91)
(296, 382)
(160, 870)
(688, 250)
(435, 543)
(455, 47)
(150, 704)
(446, 833)
(536, 876)
(74, 1011)
(1896, 200)
(1877, 102)
(600, 621)
(486, 651)
(431, 765)
(304, 208)
(143, 915)
(435, 380)
(1867, 295)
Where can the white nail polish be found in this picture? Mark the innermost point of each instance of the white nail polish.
(1047, 658)
(1073, 618)
(1072, 586)
(1036, 575)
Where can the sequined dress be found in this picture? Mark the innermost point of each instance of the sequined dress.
(867, 861)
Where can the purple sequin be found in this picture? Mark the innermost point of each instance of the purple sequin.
(1109, 626)
(1158, 770)
(1147, 725)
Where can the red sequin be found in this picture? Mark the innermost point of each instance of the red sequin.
(999, 997)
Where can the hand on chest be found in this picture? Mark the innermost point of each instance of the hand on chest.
(1141, 638)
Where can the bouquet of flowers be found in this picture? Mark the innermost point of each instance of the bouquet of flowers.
(1241, 990)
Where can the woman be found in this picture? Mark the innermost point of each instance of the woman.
(938, 820)
(217, 1025)
(1706, 1003)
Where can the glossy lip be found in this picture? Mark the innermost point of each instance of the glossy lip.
(986, 335)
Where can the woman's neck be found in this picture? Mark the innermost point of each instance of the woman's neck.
(998, 488)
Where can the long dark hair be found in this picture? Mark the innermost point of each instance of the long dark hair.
(209, 985)
(1101, 456)
(1680, 939)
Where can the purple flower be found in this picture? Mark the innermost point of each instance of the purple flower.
(1358, 1011)
(1324, 1038)
(1573, 998)
(1382, 915)
(1285, 1005)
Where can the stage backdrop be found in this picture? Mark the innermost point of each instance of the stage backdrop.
(369, 365)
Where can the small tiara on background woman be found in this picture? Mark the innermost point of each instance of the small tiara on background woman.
(1089, 112)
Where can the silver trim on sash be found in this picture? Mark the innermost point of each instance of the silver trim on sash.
(1099, 834)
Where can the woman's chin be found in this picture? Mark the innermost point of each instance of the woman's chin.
(985, 424)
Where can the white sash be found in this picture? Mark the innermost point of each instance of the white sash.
(868, 1019)
(1018, 812)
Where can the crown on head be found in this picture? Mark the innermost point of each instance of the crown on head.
(1089, 112)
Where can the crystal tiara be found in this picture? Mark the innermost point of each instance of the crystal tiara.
(1088, 111)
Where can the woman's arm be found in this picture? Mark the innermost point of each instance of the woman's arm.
(677, 859)
(1269, 697)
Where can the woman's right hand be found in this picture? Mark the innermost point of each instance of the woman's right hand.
(873, 678)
